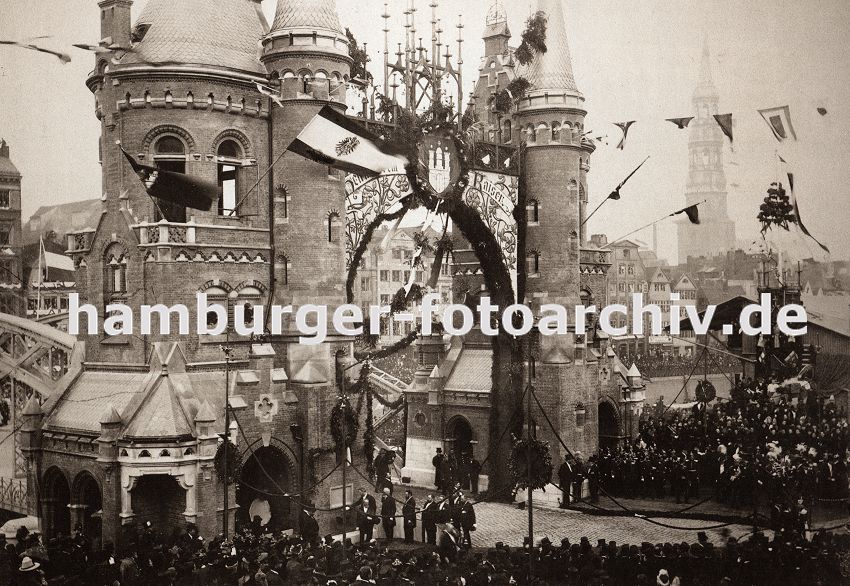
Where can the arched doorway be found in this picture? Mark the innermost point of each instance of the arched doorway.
(609, 428)
(160, 499)
(263, 480)
(89, 503)
(459, 436)
(55, 503)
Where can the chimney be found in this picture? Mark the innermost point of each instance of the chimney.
(115, 22)
(4, 149)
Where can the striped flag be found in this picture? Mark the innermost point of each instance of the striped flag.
(779, 121)
(333, 139)
(269, 93)
(173, 187)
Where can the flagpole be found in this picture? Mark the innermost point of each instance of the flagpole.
(594, 211)
(621, 238)
(616, 190)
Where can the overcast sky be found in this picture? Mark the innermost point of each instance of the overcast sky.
(636, 60)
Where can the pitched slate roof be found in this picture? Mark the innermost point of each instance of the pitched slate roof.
(553, 70)
(81, 407)
(200, 32)
(311, 15)
(472, 371)
(161, 416)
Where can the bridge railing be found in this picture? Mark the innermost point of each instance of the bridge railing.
(13, 495)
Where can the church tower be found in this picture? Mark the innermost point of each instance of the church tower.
(496, 71)
(706, 178)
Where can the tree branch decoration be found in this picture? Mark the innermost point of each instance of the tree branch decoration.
(234, 463)
(533, 38)
(359, 57)
(776, 210)
(541, 464)
(504, 101)
(369, 433)
(705, 391)
(340, 410)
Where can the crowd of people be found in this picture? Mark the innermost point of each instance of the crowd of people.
(252, 558)
(758, 444)
(659, 364)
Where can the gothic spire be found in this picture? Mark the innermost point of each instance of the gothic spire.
(553, 71)
(705, 88)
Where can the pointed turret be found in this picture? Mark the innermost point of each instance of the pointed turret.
(552, 71)
(496, 34)
(305, 27)
(705, 89)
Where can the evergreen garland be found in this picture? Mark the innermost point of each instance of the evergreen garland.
(776, 210)
(369, 432)
(504, 101)
(533, 38)
(541, 464)
(359, 58)
(340, 410)
(234, 462)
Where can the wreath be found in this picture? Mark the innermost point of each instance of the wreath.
(234, 462)
(705, 391)
(540, 460)
(340, 410)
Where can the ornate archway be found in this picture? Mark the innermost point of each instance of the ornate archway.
(267, 477)
(55, 503)
(459, 434)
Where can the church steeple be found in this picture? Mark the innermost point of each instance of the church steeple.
(705, 89)
(553, 71)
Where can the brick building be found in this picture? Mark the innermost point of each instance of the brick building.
(131, 435)
(450, 398)
(11, 282)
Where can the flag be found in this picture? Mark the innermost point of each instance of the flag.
(681, 122)
(332, 139)
(691, 211)
(799, 220)
(615, 195)
(624, 126)
(63, 57)
(177, 188)
(269, 93)
(779, 121)
(822, 111)
(725, 123)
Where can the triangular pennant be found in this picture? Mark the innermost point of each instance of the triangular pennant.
(793, 197)
(691, 211)
(725, 123)
(624, 126)
(177, 188)
(822, 111)
(779, 121)
(615, 195)
(681, 122)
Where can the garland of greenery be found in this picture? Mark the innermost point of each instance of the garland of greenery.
(533, 38)
(340, 410)
(389, 350)
(234, 462)
(504, 101)
(776, 210)
(369, 432)
(541, 464)
(359, 58)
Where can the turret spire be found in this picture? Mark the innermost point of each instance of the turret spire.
(553, 71)
(314, 15)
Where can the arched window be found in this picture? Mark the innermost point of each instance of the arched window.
(170, 155)
(115, 272)
(532, 261)
(216, 294)
(229, 158)
(556, 131)
(333, 227)
(533, 211)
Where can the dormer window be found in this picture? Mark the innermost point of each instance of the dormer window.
(139, 32)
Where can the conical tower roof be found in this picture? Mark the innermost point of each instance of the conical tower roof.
(705, 88)
(552, 71)
(200, 32)
(313, 15)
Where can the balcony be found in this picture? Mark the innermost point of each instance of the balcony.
(595, 260)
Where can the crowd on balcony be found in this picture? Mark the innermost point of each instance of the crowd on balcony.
(662, 363)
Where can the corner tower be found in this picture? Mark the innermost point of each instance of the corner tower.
(306, 53)
(550, 119)
(706, 177)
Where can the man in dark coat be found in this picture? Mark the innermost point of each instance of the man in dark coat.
(365, 508)
(565, 478)
(309, 527)
(474, 473)
(437, 461)
(465, 520)
(408, 510)
(388, 514)
(429, 520)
